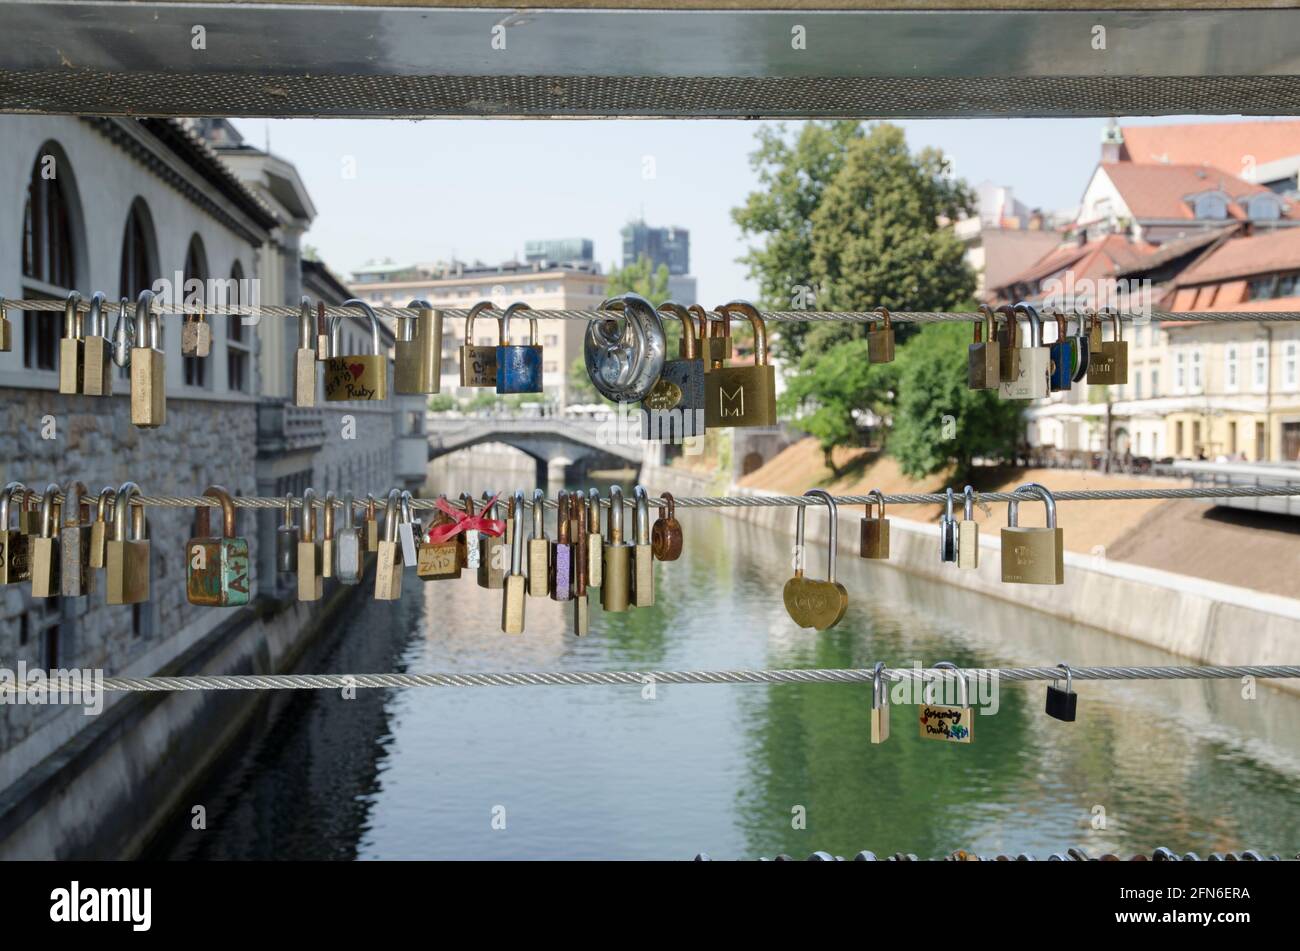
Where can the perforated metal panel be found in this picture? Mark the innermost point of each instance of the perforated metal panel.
(137, 59)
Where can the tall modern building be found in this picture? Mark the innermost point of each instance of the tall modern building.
(670, 247)
(560, 251)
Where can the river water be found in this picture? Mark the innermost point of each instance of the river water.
(740, 771)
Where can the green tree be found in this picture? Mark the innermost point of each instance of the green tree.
(793, 172)
(580, 387)
(938, 420)
(641, 278)
(442, 402)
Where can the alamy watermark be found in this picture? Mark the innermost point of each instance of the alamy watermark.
(1129, 297)
(623, 427)
(195, 296)
(37, 687)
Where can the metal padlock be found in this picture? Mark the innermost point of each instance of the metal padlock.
(616, 587)
(127, 558)
(1033, 555)
(879, 705)
(15, 556)
(715, 331)
(311, 586)
(581, 598)
(984, 357)
(322, 333)
(417, 358)
(968, 532)
(743, 396)
(348, 545)
(1063, 704)
(71, 347)
(1008, 341)
(944, 723)
(1108, 364)
(96, 352)
(101, 527)
(948, 531)
(371, 524)
(471, 556)
(625, 360)
(439, 560)
(478, 365)
(46, 563)
(327, 541)
(812, 602)
(595, 542)
(217, 566)
(539, 550)
(880, 340)
(75, 577)
(643, 559)
(494, 555)
(874, 535)
(666, 533)
(196, 336)
(388, 559)
(513, 597)
(519, 366)
(355, 376)
(6, 329)
(304, 358)
(407, 529)
(148, 367)
(560, 582)
(1082, 348)
(286, 540)
(674, 408)
(1064, 359)
(1034, 362)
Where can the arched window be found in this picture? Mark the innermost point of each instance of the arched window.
(49, 260)
(196, 269)
(238, 339)
(139, 263)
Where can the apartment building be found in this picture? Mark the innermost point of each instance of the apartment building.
(543, 285)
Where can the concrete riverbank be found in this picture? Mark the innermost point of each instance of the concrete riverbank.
(1206, 622)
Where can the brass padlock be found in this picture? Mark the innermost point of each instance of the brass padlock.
(217, 566)
(811, 602)
(880, 340)
(944, 723)
(327, 542)
(715, 337)
(874, 540)
(494, 550)
(968, 533)
(674, 407)
(581, 598)
(984, 357)
(371, 524)
(595, 542)
(1033, 555)
(148, 367)
(6, 330)
(355, 376)
(513, 596)
(1033, 377)
(45, 549)
(1108, 363)
(539, 550)
(616, 587)
(196, 335)
(388, 559)
(1008, 341)
(76, 580)
(127, 558)
(417, 357)
(101, 527)
(15, 556)
(478, 365)
(71, 347)
(643, 559)
(742, 396)
(304, 358)
(666, 533)
(439, 560)
(879, 705)
(96, 352)
(310, 584)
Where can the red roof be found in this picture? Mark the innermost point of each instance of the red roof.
(1261, 253)
(1220, 145)
(1103, 257)
(1162, 191)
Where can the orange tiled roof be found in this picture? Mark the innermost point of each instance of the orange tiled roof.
(1220, 145)
(1161, 191)
(1103, 257)
(1260, 253)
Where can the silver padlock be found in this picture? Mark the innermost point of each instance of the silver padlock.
(75, 577)
(407, 529)
(948, 532)
(472, 535)
(624, 362)
(347, 546)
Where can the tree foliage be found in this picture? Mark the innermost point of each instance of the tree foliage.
(640, 277)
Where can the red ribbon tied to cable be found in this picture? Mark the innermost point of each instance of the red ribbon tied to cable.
(464, 522)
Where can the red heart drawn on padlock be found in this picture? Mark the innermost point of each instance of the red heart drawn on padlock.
(356, 370)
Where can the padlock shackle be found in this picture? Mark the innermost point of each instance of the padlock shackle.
(348, 503)
(879, 502)
(72, 325)
(562, 513)
(489, 510)
(1069, 678)
(227, 513)
(883, 312)
(288, 511)
(468, 501)
(614, 523)
(986, 323)
(126, 492)
(96, 322)
(517, 542)
(308, 519)
(834, 528)
(47, 510)
(961, 679)
(372, 506)
(150, 338)
(1008, 314)
(331, 500)
(539, 513)
(474, 312)
(74, 494)
(336, 327)
(670, 504)
(749, 311)
(505, 324)
(690, 348)
(879, 697)
(1044, 493)
(5, 497)
(408, 513)
(107, 496)
(306, 325)
(641, 515)
(406, 325)
(947, 505)
(593, 511)
(1116, 323)
(123, 334)
(968, 503)
(391, 508)
(1035, 322)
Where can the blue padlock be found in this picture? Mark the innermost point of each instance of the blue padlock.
(1064, 357)
(519, 367)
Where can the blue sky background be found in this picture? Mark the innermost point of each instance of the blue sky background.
(424, 191)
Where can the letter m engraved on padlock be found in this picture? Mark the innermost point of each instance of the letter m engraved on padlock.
(733, 403)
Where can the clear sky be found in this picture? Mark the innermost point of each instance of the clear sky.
(478, 189)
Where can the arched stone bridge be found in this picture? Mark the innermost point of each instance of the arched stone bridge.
(555, 442)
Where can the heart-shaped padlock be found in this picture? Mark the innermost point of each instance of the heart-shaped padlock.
(811, 602)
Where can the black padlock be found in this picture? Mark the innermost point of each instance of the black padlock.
(1062, 704)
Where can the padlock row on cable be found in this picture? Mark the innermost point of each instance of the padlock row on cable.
(997, 359)
(1161, 854)
(1030, 555)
